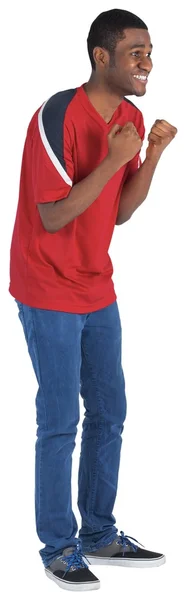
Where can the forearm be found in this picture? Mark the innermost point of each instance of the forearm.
(135, 190)
(82, 195)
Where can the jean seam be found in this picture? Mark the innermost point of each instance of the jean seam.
(41, 440)
(40, 385)
(40, 487)
(93, 487)
(94, 471)
(97, 451)
(39, 368)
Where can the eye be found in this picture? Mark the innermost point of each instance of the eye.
(137, 53)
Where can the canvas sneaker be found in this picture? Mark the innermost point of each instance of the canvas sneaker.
(71, 572)
(125, 553)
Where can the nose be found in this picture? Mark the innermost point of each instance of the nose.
(145, 64)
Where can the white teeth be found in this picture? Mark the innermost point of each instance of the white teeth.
(143, 77)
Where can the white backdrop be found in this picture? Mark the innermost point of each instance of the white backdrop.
(44, 51)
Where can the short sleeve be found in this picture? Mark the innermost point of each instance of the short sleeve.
(134, 164)
(51, 156)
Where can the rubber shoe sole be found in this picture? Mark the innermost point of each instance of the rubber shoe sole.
(126, 562)
(73, 586)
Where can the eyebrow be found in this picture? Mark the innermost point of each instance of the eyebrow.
(140, 46)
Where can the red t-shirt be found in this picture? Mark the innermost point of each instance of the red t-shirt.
(71, 269)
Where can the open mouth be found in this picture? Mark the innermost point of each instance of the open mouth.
(142, 78)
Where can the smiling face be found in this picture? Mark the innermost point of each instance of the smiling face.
(127, 72)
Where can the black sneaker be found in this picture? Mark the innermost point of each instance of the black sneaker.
(70, 571)
(122, 552)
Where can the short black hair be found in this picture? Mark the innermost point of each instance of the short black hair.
(108, 29)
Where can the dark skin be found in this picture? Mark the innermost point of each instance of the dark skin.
(108, 84)
(113, 79)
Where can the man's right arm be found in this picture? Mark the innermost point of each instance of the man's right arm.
(55, 215)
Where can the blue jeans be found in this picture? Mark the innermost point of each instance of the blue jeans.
(76, 354)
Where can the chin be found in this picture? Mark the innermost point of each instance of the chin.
(138, 93)
(135, 92)
(142, 94)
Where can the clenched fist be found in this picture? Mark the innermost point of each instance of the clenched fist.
(124, 143)
(161, 134)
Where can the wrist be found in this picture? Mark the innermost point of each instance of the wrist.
(153, 159)
(113, 163)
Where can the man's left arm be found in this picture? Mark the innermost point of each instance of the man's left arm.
(136, 188)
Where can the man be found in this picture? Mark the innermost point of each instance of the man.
(81, 175)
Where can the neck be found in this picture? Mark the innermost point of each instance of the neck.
(104, 100)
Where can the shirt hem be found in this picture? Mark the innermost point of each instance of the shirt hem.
(62, 306)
